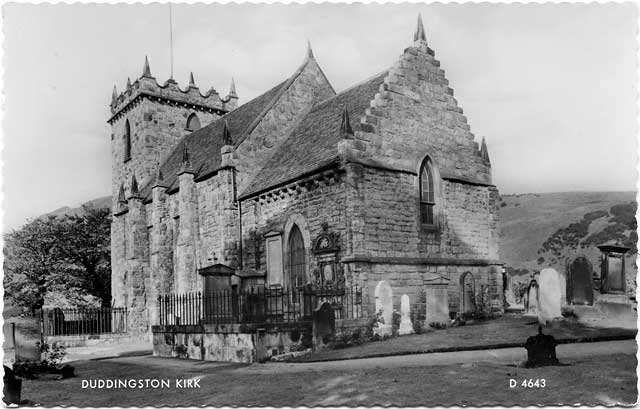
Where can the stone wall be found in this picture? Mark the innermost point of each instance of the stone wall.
(161, 249)
(231, 342)
(385, 205)
(73, 341)
(308, 205)
(411, 279)
(218, 220)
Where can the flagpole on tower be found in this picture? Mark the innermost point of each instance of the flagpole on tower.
(171, 40)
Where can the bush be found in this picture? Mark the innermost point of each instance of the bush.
(519, 289)
(52, 355)
(483, 303)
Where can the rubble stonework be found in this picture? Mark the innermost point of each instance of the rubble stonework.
(300, 155)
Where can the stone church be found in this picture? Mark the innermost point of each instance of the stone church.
(381, 182)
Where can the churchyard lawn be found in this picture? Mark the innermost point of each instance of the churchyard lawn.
(507, 330)
(594, 373)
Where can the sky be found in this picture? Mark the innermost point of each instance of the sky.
(552, 87)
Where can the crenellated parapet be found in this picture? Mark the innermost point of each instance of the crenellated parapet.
(170, 93)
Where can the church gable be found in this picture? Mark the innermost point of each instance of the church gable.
(313, 143)
(415, 114)
(262, 144)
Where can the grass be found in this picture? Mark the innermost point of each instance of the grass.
(502, 331)
(594, 380)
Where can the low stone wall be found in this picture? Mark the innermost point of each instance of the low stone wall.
(72, 341)
(230, 342)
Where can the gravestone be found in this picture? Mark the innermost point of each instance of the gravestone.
(324, 325)
(580, 281)
(384, 304)
(531, 298)
(406, 327)
(549, 295)
(437, 304)
(541, 350)
(27, 341)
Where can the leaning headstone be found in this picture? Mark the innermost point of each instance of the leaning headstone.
(324, 325)
(549, 296)
(384, 304)
(541, 350)
(406, 327)
(437, 304)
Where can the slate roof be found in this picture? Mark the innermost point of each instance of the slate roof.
(313, 144)
(204, 144)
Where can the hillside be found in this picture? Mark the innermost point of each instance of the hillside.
(99, 202)
(542, 230)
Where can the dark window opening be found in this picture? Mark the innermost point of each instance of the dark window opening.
(127, 141)
(427, 196)
(193, 123)
(297, 258)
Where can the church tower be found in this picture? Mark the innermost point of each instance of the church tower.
(147, 122)
(148, 119)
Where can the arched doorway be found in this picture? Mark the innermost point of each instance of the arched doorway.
(468, 296)
(579, 282)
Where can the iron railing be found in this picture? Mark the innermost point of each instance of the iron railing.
(257, 305)
(83, 321)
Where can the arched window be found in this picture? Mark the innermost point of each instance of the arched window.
(193, 123)
(297, 258)
(427, 193)
(127, 141)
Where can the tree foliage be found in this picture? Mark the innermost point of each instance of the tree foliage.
(68, 254)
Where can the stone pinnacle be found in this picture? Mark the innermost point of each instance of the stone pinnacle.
(420, 34)
(146, 70)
